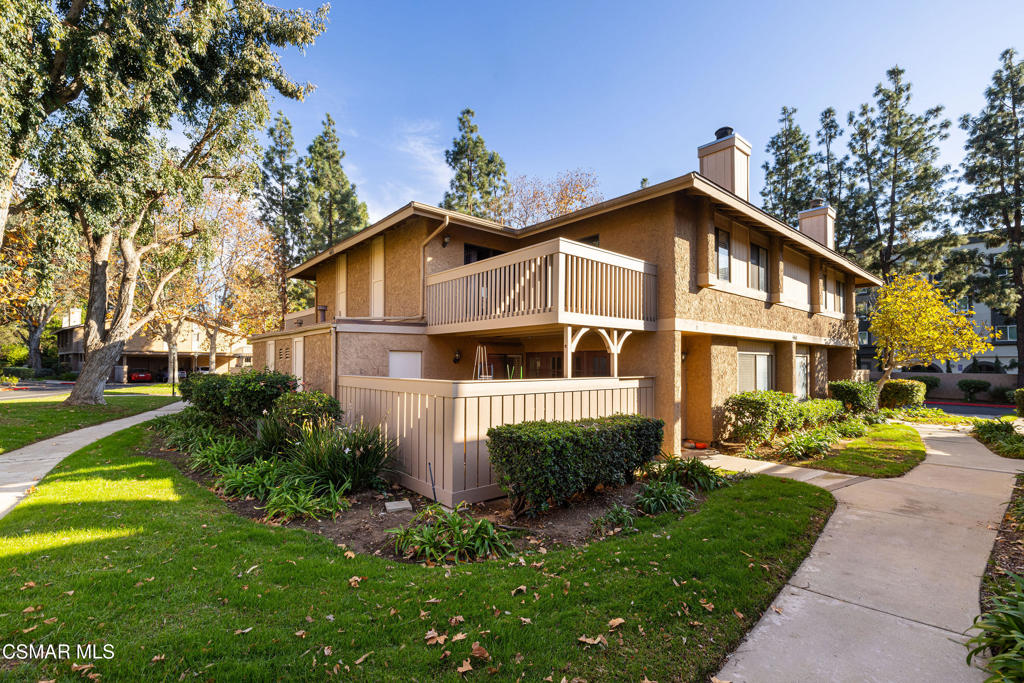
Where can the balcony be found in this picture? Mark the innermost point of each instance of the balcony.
(555, 283)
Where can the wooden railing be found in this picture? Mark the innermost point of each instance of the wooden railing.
(440, 426)
(558, 281)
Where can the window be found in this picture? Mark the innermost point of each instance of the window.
(1005, 325)
(722, 254)
(593, 240)
(863, 338)
(406, 364)
(840, 296)
(756, 372)
(758, 268)
(471, 253)
(803, 376)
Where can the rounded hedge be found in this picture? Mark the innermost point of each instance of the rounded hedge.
(857, 397)
(897, 393)
(295, 407)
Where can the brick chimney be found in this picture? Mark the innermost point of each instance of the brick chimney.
(819, 223)
(726, 161)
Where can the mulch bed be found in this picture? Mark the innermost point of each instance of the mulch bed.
(1008, 549)
(363, 527)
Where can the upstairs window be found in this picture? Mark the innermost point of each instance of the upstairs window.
(841, 296)
(473, 253)
(723, 254)
(592, 240)
(758, 268)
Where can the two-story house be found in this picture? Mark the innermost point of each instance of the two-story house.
(147, 351)
(663, 301)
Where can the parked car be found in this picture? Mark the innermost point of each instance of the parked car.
(164, 377)
(140, 375)
(203, 370)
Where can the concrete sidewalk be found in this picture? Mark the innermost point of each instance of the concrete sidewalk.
(890, 588)
(22, 468)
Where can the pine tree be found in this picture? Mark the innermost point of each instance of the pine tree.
(480, 177)
(789, 176)
(994, 169)
(281, 203)
(901, 184)
(333, 209)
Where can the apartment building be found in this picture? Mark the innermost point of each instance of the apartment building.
(664, 301)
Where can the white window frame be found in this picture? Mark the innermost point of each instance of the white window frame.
(762, 361)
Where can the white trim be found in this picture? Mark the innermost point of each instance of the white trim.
(727, 330)
(492, 387)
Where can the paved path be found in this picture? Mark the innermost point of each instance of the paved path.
(891, 586)
(22, 468)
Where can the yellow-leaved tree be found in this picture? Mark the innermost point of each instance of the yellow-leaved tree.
(913, 325)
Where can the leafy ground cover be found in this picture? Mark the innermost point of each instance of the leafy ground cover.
(118, 548)
(887, 450)
(27, 420)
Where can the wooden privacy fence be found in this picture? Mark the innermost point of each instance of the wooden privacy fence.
(555, 282)
(441, 425)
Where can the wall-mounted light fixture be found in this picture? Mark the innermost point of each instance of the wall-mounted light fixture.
(446, 241)
(458, 356)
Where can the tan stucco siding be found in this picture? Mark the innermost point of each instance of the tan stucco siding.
(440, 257)
(359, 281)
(402, 268)
(316, 356)
(362, 353)
(259, 355)
(327, 286)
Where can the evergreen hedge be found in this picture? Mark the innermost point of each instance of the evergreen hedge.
(857, 397)
(897, 393)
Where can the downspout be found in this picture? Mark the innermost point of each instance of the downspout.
(423, 263)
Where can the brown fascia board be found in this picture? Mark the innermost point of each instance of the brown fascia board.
(304, 271)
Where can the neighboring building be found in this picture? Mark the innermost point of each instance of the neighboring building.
(1002, 358)
(147, 353)
(664, 301)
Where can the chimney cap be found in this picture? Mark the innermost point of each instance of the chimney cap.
(723, 132)
(818, 202)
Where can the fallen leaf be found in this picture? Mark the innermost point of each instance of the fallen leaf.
(446, 654)
(433, 638)
(433, 601)
(363, 658)
(777, 609)
(599, 640)
(51, 620)
(350, 555)
(458, 636)
(525, 620)
(242, 630)
(28, 584)
(328, 650)
(520, 589)
(69, 592)
(354, 581)
(81, 667)
(300, 634)
(479, 652)
(157, 658)
(738, 613)
(29, 629)
(456, 620)
(465, 667)
(616, 622)
(28, 609)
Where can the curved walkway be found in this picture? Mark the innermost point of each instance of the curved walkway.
(22, 468)
(892, 584)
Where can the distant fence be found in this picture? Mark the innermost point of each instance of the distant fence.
(947, 388)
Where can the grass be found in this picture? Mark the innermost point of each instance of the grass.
(160, 389)
(27, 420)
(121, 549)
(887, 450)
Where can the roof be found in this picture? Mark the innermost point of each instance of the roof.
(691, 182)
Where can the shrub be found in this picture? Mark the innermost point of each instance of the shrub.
(13, 381)
(850, 428)
(68, 376)
(192, 438)
(226, 450)
(818, 411)
(972, 387)
(856, 397)
(1001, 634)
(663, 496)
(17, 372)
(993, 430)
(325, 455)
(206, 392)
(617, 517)
(897, 393)
(252, 393)
(1004, 394)
(544, 463)
(437, 535)
(803, 445)
(874, 417)
(14, 354)
(692, 473)
(1018, 399)
(930, 382)
(756, 416)
(292, 498)
(294, 408)
(256, 479)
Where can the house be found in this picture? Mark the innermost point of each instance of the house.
(663, 301)
(146, 351)
(1001, 359)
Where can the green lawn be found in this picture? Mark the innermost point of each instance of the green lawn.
(161, 389)
(887, 450)
(26, 420)
(117, 548)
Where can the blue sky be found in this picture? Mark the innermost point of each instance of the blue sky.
(625, 89)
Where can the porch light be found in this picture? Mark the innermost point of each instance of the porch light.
(458, 356)
(446, 241)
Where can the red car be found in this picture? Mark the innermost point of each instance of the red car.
(139, 375)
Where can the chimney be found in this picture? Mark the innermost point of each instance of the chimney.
(726, 161)
(819, 222)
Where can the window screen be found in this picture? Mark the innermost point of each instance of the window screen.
(722, 253)
(755, 372)
(758, 268)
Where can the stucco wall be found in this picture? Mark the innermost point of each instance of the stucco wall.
(947, 382)
(358, 290)
(259, 354)
(316, 356)
(327, 286)
(440, 257)
(401, 267)
(363, 353)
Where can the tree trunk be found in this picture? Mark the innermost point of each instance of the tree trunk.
(36, 327)
(212, 335)
(92, 379)
(172, 358)
(7, 194)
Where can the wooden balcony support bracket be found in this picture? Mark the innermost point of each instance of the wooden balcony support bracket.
(613, 342)
(572, 340)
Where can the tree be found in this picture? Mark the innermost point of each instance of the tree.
(479, 174)
(895, 163)
(913, 325)
(333, 210)
(789, 176)
(528, 200)
(281, 203)
(112, 176)
(994, 169)
(834, 180)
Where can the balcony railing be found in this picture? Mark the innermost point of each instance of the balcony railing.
(551, 283)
